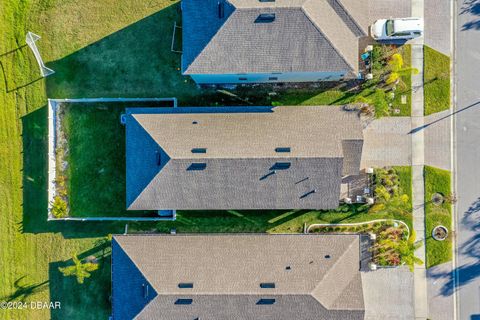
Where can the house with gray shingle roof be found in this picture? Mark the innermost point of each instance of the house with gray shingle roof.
(248, 277)
(240, 157)
(252, 41)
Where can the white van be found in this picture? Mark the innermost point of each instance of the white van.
(397, 29)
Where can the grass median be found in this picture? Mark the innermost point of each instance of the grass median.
(436, 81)
(437, 181)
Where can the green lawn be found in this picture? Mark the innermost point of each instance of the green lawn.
(118, 54)
(97, 48)
(286, 221)
(405, 175)
(31, 248)
(437, 181)
(347, 93)
(437, 81)
(95, 153)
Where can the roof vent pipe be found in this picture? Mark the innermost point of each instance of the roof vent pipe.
(221, 10)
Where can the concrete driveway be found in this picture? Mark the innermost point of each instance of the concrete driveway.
(440, 291)
(388, 294)
(388, 141)
(437, 15)
(366, 12)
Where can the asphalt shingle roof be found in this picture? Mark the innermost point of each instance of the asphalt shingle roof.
(239, 166)
(305, 36)
(315, 276)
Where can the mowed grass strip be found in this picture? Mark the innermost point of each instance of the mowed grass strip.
(96, 173)
(436, 81)
(437, 181)
(32, 249)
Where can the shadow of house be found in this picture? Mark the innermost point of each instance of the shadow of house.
(137, 61)
(93, 292)
(35, 151)
(35, 171)
(134, 61)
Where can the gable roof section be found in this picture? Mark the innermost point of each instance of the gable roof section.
(351, 160)
(141, 170)
(240, 166)
(334, 29)
(358, 11)
(199, 26)
(348, 290)
(226, 272)
(128, 284)
(305, 36)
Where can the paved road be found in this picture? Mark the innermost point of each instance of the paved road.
(468, 159)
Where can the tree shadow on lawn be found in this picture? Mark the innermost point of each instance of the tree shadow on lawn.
(471, 7)
(90, 300)
(35, 171)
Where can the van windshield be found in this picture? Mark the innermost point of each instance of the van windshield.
(389, 27)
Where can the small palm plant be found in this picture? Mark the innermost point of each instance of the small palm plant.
(81, 270)
(407, 250)
(397, 70)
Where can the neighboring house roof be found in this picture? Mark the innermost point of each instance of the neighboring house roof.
(304, 36)
(231, 157)
(314, 277)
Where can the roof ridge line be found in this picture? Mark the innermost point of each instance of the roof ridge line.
(324, 36)
(343, 291)
(328, 272)
(340, 4)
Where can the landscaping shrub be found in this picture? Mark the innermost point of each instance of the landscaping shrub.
(389, 188)
(59, 207)
(377, 207)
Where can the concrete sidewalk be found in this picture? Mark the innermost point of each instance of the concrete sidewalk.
(418, 188)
